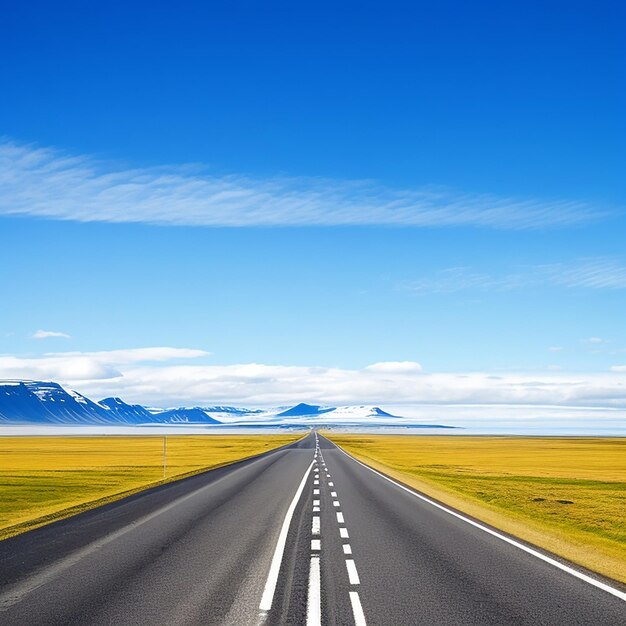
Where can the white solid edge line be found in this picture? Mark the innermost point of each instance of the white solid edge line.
(314, 599)
(272, 576)
(357, 609)
(565, 568)
(353, 575)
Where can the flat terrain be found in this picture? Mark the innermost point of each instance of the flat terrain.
(567, 495)
(303, 534)
(45, 478)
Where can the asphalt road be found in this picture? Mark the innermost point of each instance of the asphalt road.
(299, 535)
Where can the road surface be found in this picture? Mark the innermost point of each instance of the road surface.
(300, 535)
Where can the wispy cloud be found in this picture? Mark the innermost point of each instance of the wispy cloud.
(594, 341)
(134, 375)
(587, 273)
(134, 355)
(48, 183)
(46, 334)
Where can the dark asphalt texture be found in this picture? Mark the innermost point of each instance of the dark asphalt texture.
(198, 551)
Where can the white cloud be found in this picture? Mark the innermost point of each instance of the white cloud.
(618, 368)
(395, 367)
(556, 349)
(48, 183)
(71, 367)
(594, 340)
(148, 376)
(45, 334)
(584, 273)
(134, 355)
(62, 369)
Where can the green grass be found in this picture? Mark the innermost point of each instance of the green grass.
(47, 478)
(567, 495)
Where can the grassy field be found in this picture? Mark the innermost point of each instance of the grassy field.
(47, 478)
(567, 495)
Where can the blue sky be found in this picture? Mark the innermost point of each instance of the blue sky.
(326, 186)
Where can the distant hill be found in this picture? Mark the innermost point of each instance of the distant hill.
(341, 413)
(304, 409)
(231, 410)
(182, 415)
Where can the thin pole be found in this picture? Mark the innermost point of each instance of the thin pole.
(164, 455)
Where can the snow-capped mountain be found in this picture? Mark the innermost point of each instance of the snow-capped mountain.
(304, 409)
(233, 414)
(35, 402)
(182, 415)
(128, 413)
(361, 412)
(31, 402)
(311, 413)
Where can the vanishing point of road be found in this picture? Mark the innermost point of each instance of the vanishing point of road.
(304, 534)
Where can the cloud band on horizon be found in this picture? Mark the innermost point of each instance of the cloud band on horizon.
(147, 376)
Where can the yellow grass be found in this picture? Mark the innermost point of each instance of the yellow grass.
(48, 478)
(567, 495)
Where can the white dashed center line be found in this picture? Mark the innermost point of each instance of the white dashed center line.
(314, 600)
(357, 609)
(352, 573)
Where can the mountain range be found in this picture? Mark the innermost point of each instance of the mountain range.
(47, 403)
(35, 402)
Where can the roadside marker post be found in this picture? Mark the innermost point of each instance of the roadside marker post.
(164, 456)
